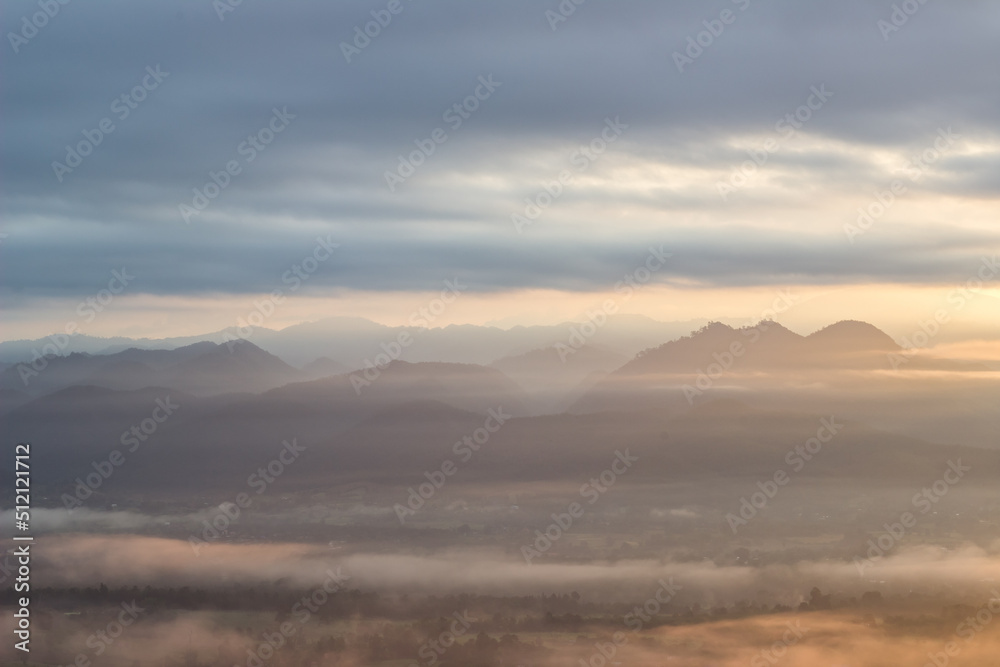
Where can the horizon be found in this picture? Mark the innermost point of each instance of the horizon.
(929, 339)
(804, 324)
(489, 325)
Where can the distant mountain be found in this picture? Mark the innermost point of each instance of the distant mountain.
(350, 341)
(235, 366)
(394, 442)
(846, 368)
(323, 367)
(555, 363)
(17, 351)
(852, 336)
(202, 369)
(768, 346)
(55, 373)
(226, 435)
(159, 359)
(463, 386)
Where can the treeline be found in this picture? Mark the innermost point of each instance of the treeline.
(566, 612)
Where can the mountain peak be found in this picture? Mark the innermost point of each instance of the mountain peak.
(853, 335)
(768, 345)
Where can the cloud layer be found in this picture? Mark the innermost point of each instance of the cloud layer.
(346, 120)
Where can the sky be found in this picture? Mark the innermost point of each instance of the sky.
(539, 153)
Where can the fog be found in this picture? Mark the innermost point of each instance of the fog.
(79, 560)
(696, 503)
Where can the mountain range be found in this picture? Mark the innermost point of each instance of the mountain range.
(238, 402)
(349, 341)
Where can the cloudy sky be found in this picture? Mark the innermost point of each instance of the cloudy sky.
(740, 136)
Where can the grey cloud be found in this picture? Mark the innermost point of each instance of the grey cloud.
(225, 259)
(353, 120)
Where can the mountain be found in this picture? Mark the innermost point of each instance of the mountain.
(768, 346)
(848, 368)
(394, 442)
(350, 341)
(323, 367)
(850, 337)
(159, 359)
(226, 434)
(462, 386)
(18, 351)
(235, 366)
(202, 368)
(555, 365)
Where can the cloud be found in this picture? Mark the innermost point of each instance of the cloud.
(325, 172)
(127, 560)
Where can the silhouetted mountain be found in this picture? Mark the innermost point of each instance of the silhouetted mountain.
(164, 358)
(351, 340)
(18, 351)
(234, 366)
(202, 368)
(768, 346)
(51, 374)
(850, 368)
